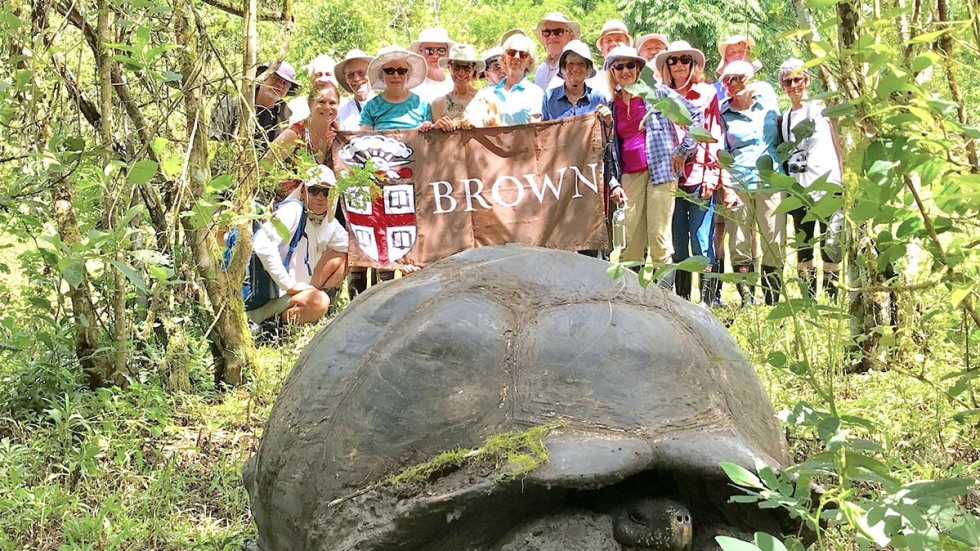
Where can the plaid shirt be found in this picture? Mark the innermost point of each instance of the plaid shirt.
(662, 139)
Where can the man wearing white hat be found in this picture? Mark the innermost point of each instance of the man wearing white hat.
(271, 112)
(614, 33)
(739, 48)
(433, 44)
(303, 270)
(353, 77)
(555, 31)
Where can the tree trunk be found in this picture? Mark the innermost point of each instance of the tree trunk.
(230, 338)
(869, 311)
(946, 49)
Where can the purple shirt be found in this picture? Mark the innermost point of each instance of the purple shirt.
(631, 134)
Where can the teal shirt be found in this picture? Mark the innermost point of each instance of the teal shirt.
(381, 114)
(749, 136)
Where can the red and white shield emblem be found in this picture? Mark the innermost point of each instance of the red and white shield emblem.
(385, 230)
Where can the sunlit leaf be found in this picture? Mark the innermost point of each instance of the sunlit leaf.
(143, 171)
(732, 544)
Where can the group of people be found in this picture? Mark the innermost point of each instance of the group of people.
(678, 200)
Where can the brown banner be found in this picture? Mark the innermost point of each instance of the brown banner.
(539, 184)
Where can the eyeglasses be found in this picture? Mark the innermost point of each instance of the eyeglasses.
(441, 50)
(628, 65)
(495, 66)
(556, 32)
(517, 54)
(355, 74)
(793, 81)
(734, 79)
(462, 67)
(313, 191)
(684, 60)
(392, 70)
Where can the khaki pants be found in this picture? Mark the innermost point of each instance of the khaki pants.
(756, 215)
(649, 210)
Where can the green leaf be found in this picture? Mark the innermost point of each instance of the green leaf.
(845, 109)
(221, 183)
(615, 271)
(732, 544)
(74, 274)
(173, 165)
(959, 293)
(830, 433)
(143, 171)
(741, 476)
(675, 111)
(922, 63)
(280, 228)
(776, 359)
(926, 37)
(131, 274)
(700, 135)
(765, 542)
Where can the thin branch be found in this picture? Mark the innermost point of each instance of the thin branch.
(936, 279)
(228, 7)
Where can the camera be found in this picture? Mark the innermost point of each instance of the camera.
(797, 163)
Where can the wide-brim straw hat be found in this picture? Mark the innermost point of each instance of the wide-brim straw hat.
(652, 36)
(678, 48)
(613, 26)
(731, 41)
(433, 35)
(463, 53)
(396, 53)
(558, 17)
(579, 48)
(342, 66)
(621, 53)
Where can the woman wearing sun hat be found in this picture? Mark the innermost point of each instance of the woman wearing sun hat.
(574, 96)
(682, 68)
(751, 135)
(395, 71)
(463, 67)
(651, 157)
(516, 100)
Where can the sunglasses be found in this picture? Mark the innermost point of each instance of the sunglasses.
(355, 74)
(734, 78)
(628, 65)
(793, 81)
(441, 50)
(684, 60)
(313, 191)
(462, 67)
(517, 54)
(392, 70)
(553, 32)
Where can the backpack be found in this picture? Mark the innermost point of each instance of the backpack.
(258, 287)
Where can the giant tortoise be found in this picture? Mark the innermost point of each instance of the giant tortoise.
(643, 395)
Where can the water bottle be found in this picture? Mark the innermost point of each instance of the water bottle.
(619, 228)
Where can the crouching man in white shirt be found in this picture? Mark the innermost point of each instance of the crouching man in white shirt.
(316, 265)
